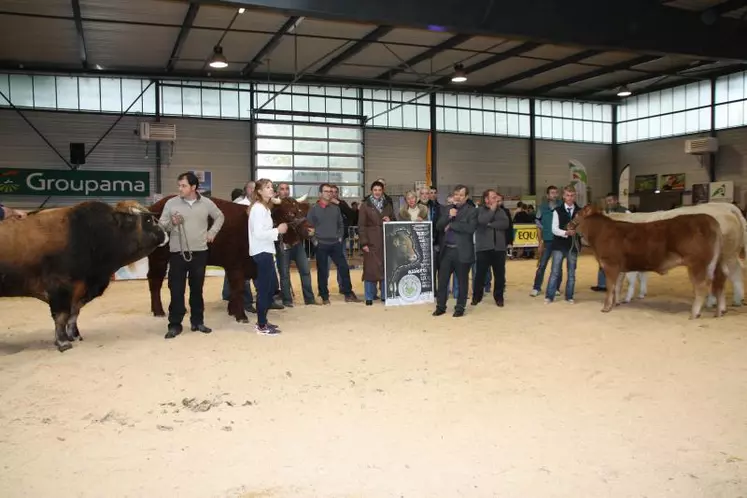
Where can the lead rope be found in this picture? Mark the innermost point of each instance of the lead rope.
(186, 256)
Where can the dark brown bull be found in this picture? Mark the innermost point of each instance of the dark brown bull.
(67, 256)
(229, 250)
(292, 212)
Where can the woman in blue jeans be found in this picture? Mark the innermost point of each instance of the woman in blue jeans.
(262, 237)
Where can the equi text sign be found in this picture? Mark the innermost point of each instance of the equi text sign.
(74, 183)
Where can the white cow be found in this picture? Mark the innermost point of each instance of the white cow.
(733, 228)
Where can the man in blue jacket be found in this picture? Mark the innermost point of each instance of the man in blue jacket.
(544, 226)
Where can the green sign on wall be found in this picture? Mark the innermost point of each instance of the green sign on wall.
(67, 182)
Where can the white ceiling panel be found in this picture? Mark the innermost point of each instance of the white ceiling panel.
(610, 80)
(560, 73)
(123, 45)
(213, 16)
(610, 58)
(377, 54)
(289, 57)
(37, 40)
(334, 29)
(665, 63)
(44, 7)
(551, 52)
(237, 46)
(480, 43)
(503, 69)
(416, 36)
(155, 11)
(355, 71)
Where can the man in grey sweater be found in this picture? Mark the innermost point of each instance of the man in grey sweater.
(326, 218)
(186, 217)
(490, 246)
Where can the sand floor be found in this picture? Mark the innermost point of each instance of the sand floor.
(532, 400)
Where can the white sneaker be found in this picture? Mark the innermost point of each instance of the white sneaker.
(534, 293)
(569, 301)
(547, 301)
(557, 293)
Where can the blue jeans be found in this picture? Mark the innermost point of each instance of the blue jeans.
(248, 297)
(539, 276)
(264, 281)
(601, 278)
(370, 290)
(556, 273)
(334, 252)
(297, 254)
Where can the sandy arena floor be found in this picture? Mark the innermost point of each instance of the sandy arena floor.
(526, 401)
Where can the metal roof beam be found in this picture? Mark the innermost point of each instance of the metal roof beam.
(452, 42)
(620, 66)
(494, 86)
(493, 59)
(270, 46)
(636, 25)
(189, 19)
(81, 36)
(355, 48)
(726, 7)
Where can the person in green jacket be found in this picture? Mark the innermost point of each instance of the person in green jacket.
(544, 225)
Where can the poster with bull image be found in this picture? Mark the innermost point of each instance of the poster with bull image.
(408, 262)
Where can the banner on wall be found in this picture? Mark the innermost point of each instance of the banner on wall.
(721, 191)
(429, 161)
(623, 186)
(408, 263)
(525, 235)
(579, 180)
(700, 193)
(206, 182)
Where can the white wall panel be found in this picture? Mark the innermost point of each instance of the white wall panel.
(21, 147)
(482, 162)
(731, 161)
(222, 147)
(552, 165)
(397, 156)
(666, 156)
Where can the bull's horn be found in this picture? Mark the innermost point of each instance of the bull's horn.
(302, 198)
(275, 200)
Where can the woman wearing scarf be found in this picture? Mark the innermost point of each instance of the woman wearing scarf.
(372, 214)
(412, 211)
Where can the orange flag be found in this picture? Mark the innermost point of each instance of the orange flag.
(428, 163)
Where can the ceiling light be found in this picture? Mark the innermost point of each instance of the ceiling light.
(624, 91)
(459, 75)
(242, 10)
(218, 60)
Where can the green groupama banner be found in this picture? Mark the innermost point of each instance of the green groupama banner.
(82, 183)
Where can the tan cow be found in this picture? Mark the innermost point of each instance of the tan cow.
(692, 240)
(733, 236)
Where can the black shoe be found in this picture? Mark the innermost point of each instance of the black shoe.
(274, 305)
(499, 302)
(288, 305)
(249, 308)
(439, 312)
(458, 313)
(352, 298)
(174, 330)
(202, 328)
(325, 302)
(596, 288)
(369, 302)
(475, 302)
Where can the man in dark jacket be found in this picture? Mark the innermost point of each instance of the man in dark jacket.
(490, 246)
(458, 223)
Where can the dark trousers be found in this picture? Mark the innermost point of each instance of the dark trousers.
(265, 276)
(284, 257)
(485, 261)
(181, 272)
(323, 254)
(450, 264)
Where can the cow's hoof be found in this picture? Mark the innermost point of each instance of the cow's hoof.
(693, 317)
(63, 346)
(159, 313)
(606, 309)
(241, 319)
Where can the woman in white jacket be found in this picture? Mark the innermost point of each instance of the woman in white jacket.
(262, 237)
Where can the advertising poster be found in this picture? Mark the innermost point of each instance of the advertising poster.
(525, 235)
(579, 180)
(408, 262)
(645, 183)
(720, 192)
(206, 182)
(673, 182)
(700, 193)
(623, 186)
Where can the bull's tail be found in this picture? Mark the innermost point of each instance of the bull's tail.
(716, 257)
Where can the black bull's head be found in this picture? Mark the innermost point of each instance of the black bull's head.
(293, 213)
(405, 248)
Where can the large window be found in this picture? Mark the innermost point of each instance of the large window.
(674, 111)
(573, 121)
(315, 104)
(482, 114)
(397, 109)
(206, 99)
(305, 155)
(731, 100)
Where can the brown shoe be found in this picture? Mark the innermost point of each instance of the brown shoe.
(352, 298)
(325, 302)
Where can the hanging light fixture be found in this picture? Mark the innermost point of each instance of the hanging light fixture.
(624, 91)
(460, 76)
(218, 60)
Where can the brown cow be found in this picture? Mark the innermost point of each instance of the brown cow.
(229, 250)
(292, 212)
(692, 240)
(66, 256)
